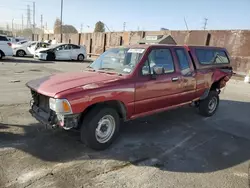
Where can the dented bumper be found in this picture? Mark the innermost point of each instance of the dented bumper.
(55, 120)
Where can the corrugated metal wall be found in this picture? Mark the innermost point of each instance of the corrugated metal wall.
(236, 41)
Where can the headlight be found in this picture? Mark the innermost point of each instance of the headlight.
(61, 106)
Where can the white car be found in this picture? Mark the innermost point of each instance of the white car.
(5, 47)
(15, 40)
(28, 48)
(62, 52)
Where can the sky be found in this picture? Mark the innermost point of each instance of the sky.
(138, 14)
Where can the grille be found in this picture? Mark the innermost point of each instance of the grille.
(41, 101)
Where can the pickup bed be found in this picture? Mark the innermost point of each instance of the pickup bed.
(125, 83)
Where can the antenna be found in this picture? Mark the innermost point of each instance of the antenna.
(205, 24)
(186, 23)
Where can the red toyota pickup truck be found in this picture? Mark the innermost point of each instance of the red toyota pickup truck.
(125, 83)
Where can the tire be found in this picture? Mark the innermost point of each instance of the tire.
(20, 53)
(92, 123)
(209, 105)
(1, 54)
(50, 57)
(80, 57)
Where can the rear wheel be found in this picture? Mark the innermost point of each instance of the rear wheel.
(20, 53)
(100, 128)
(1, 54)
(208, 106)
(80, 57)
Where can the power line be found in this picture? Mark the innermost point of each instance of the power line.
(205, 23)
(186, 23)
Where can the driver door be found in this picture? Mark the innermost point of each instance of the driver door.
(31, 48)
(63, 52)
(155, 92)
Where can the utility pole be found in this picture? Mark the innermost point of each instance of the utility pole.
(205, 24)
(81, 28)
(12, 27)
(34, 17)
(22, 22)
(28, 17)
(124, 26)
(61, 19)
(186, 24)
(41, 21)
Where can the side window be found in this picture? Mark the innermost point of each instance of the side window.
(221, 57)
(183, 61)
(2, 38)
(75, 47)
(62, 47)
(160, 58)
(209, 56)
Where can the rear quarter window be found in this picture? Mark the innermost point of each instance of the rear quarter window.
(2, 38)
(210, 56)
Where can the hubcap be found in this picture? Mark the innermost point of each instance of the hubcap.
(105, 129)
(20, 53)
(80, 57)
(212, 104)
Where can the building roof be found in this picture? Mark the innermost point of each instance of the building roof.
(158, 39)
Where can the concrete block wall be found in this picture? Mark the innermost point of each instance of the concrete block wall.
(237, 42)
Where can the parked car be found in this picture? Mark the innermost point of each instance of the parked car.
(5, 47)
(15, 40)
(127, 83)
(28, 48)
(62, 52)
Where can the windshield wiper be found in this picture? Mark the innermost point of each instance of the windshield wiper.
(106, 69)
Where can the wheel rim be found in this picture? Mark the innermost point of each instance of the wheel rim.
(20, 53)
(80, 57)
(105, 129)
(212, 104)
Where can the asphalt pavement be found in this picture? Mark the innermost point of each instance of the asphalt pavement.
(174, 149)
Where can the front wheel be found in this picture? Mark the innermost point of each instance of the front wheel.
(80, 57)
(50, 57)
(100, 128)
(208, 106)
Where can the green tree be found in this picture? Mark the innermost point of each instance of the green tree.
(65, 28)
(57, 26)
(99, 27)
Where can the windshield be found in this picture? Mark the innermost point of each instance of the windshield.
(120, 60)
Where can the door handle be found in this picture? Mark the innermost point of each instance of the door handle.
(175, 79)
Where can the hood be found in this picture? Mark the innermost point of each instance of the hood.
(53, 84)
(42, 49)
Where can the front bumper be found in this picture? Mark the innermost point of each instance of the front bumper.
(47, 119)
(41, 56)
(54, 120)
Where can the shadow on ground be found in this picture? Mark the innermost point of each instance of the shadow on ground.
(31, 60)
(179, 140)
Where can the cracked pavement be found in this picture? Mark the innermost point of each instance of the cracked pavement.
(175, 149)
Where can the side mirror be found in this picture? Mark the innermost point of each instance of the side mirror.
(158, 70)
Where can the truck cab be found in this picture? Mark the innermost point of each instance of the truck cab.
(129, 82)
